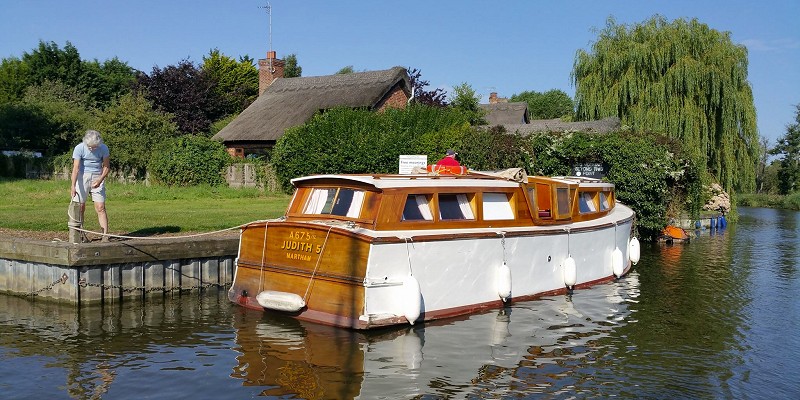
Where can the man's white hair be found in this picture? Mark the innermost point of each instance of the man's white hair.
(92, 138)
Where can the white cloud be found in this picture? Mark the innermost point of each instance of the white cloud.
(771, 45)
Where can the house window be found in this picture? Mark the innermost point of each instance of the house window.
(497, 207)
(343, 202)
(587, 204)
(417, 208)
(455, 207)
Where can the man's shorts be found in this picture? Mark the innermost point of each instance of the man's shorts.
(84, 186)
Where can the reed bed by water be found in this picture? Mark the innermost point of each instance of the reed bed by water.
(788, 202)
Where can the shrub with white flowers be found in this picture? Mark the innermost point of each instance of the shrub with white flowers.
(719, 201)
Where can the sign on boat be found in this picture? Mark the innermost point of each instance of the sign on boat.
(367, 251)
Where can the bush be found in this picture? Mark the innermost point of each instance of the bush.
(792, 201)
(189, 160)
(492, 149)
(344, 140)
(646, 171)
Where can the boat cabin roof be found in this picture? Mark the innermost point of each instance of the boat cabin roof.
(472, 200)
(483, 179)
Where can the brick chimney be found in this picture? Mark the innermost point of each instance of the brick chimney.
(269, 69)
(493, 98)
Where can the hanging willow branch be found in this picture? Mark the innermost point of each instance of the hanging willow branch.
(682, 79)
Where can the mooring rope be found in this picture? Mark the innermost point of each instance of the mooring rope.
(85, 231)
(321, 252)
(408, 253)
(263, 256)
(503, 243)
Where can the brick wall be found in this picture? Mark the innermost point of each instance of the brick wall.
(265, 75)
(396, 98)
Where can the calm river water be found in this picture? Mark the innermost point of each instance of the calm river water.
(716, 318)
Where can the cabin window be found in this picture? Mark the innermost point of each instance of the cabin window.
(417, 208)
(497, 207)
(344, 202)
(604, 203)
(454, 207)
(562, 199)
(587, 204)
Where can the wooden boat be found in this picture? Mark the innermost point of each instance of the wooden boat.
(366, 251)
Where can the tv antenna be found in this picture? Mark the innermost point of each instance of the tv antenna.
(270, 53)
(268, 7)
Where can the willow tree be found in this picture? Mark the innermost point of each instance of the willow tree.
(681, 79)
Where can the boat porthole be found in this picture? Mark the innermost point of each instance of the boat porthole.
(244, 293)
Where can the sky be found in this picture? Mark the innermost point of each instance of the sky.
(494, 46)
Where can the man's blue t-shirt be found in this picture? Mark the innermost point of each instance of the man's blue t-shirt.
(92, 161)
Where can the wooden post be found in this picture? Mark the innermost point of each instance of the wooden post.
(75, 221)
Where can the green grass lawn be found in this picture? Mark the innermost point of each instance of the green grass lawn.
(41, 205)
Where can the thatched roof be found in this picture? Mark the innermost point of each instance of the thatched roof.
(604, 125)
(506, 113)
(289, 102)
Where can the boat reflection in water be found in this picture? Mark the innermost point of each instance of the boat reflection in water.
(507, 352)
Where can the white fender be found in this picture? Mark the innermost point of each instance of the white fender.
(616, 262)
(412, 299)
(503, 281)
(281, 301)
(633, 250)
(570, 272)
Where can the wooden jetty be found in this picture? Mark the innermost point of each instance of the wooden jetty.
(91, 273)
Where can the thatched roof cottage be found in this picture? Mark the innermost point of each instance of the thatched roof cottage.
(289, 102)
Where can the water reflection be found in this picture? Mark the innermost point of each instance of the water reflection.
(481, 355)
(91, 352)
(714, 318)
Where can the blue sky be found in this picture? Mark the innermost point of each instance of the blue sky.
(495, 46)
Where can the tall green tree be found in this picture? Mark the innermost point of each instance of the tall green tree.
(551, 104)
(681, 79)
(47, 119)
(290, 67)
(466, 100)
(102, 82)
(50, 62)
(134, 132)
(14, 78)
(105, 82)
(235, 82)
(788, 148)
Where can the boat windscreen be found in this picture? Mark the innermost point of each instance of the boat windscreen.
(344, 202)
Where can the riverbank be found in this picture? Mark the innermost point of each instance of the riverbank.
(763, 200)
(98, 272)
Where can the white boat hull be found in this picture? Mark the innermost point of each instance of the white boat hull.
(459, 273)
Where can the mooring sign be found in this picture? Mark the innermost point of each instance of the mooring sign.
(589, 170)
